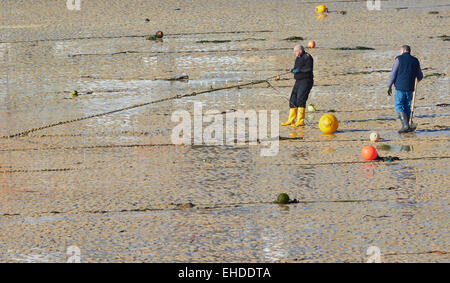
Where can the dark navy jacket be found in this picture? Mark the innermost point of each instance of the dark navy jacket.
(305, 65)
(404, 72)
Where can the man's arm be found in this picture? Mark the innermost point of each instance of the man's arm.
(419, 73)
(295, 70)
(393, 73)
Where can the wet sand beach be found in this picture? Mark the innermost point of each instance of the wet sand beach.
(75, 173)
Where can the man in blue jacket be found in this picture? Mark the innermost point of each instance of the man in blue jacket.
(404, 73)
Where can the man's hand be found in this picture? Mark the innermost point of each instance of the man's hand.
(390, 91)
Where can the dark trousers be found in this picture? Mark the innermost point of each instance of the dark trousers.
(300, 93)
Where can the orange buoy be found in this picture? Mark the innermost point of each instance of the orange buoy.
(159, 34)
(369, 153)
(311, 44)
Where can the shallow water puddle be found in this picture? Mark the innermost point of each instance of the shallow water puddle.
(43, 257)
(43, 219)
(395, 148)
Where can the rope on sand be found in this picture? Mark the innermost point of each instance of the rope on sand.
(102, 146)
(232, 166)
(90, 147)
(26, 132)
(182, 206)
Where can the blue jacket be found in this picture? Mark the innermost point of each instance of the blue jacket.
(404, 72)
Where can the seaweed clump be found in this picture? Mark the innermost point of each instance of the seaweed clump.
(213, 41)
(291, 38)
(444, 37)
(354, 48)
(433, 75)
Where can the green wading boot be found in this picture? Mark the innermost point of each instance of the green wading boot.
(405, 123)
(412, 126)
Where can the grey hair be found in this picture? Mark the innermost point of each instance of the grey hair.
(407, 48)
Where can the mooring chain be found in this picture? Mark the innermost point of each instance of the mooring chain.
(178, 96)
(41, 170)
(231, 166)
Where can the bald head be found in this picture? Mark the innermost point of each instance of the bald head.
(298, 50)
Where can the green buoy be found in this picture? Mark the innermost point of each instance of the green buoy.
(283, 198)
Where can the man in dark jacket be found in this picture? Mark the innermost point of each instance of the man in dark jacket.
(304, 80)
(404, 73)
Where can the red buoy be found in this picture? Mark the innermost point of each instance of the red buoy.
(369, 153)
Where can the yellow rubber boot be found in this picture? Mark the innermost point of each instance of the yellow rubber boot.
(291, 119)
(300, 117)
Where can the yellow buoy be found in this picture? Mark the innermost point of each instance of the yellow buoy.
(321, 9)
(328, 124)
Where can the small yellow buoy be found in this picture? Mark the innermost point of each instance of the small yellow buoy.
(321, 9)
(277, 78)
(328, 124)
